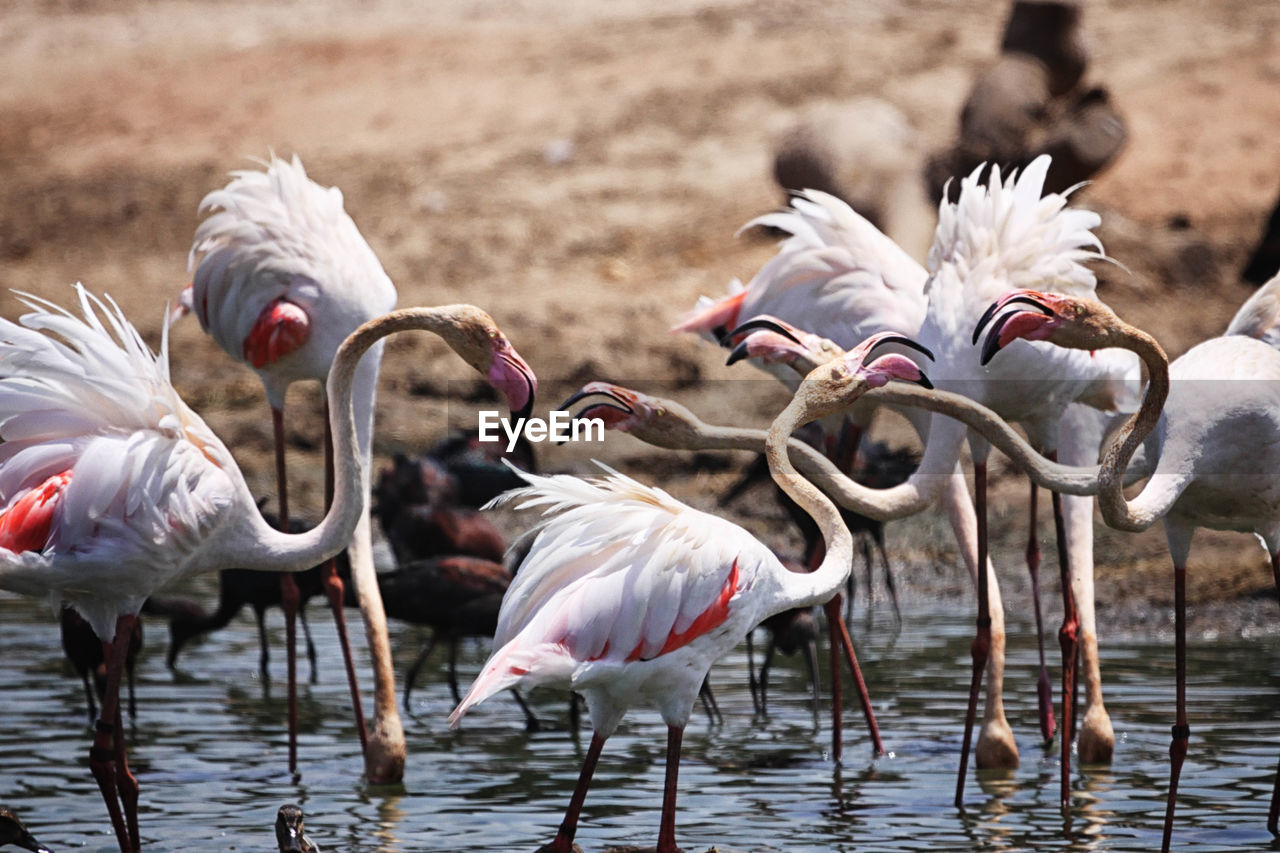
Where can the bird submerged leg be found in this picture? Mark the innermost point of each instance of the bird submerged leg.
(335, 591)
(981, 647)
(563, 842)
(412, 675)
(106, 756)
(709, 703)
(851, 657)
(667, 830)
(1044, 691)
(1068, 640)
(1273, 816)
(1179, 547)
(289, 594)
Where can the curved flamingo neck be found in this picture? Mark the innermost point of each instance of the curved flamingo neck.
(1154, 501)
(819, 585)
(264, 547)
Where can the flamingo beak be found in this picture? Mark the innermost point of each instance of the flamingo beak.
(767, 323)
(893, 365)
(1031, 325)
(1027, 296)
(618, 403)
(512, 375)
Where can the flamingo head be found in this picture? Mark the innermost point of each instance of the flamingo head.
(1068, 321)
(835, 385)
(474, 335)
(654, 420)
(775, 341)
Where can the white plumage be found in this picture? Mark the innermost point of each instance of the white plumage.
(148, 480)
(276, 234)
(628, 596)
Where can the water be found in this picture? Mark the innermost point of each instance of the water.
(208, 747)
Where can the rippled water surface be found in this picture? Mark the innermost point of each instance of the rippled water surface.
(208, 746)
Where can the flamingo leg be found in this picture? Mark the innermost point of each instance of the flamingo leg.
(1044, 691)
(336, 593)
(108, 741)
(1068, 640)
(667, 830)
(751, 675)
(1181, 731)
(851, 658)
(980, 650)
(837, 700)
(563, 842)
(1273, 816)
(126, 785)
(289, 594)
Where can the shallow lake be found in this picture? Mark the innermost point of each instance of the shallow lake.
(208, 746)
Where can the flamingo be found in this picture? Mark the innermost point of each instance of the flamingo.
(1213, 418)
(627, 595)
(290, 836)
(1259, 316)
(281, 276)
(840, 278)
(111, 487)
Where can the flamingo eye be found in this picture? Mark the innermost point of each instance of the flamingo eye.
(661, 411)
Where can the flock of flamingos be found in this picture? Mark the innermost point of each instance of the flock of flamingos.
(111, 487)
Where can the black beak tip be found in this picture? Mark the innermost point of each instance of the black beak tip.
(760, 323)
(983, 320)
(738, 354)
(924, 382)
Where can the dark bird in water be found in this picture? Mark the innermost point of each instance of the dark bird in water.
(84, 649)
(261, 591)
(290, 836)
(456, 597)
(415, 504)
(13, 832)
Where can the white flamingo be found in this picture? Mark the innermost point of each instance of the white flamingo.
(628, 596)
(283, 276)
(112, 488)
(992, 239)
(839, 278)
(1213, 420)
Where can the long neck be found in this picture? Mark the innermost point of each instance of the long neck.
(819, 585)
(1064, 479)
(904, 499)
(1156, 497)
(256, 544)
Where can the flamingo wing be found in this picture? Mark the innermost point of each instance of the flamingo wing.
(619, 572)
(102, 466)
